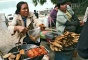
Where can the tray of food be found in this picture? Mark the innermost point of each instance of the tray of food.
(68, 39)
(28, 53)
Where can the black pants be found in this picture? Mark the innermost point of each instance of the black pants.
(79, 29)
(76, 29)
(70, 28)
(82, 46)
(29, 41)
(53, 24)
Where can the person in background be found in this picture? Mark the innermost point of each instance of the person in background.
(82, 46)
(36, 14)
(86, 15)
(82, 22)
(22, 23)
(66, 21)
(52, 17)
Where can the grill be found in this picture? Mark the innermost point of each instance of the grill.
(25, 47)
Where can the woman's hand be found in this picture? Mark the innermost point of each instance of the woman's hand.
(21, 29)
(34, 38)
(42, 27)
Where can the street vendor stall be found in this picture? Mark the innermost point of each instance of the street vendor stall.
(26, 52)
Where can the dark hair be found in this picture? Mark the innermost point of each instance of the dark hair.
(19, 6)
(55, 6)
(61, 2)
(35, 11)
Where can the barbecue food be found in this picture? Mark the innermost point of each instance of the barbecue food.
(38, 51)
(30, 53)
(22, 52)
(65, 40)
(10, 56)
(18, 56)
(35, 52)
(7, 55)
(43, 50)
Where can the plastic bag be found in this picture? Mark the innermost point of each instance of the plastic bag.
(35, 32)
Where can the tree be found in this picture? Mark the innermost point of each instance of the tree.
(38, 1)
(54, 1)
(80, 10)
(83, 5)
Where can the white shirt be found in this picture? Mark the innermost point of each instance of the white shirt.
(86, 15)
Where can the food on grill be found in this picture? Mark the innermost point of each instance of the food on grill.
(65, 40)
(43, 50)
(30, 53)
(33, 52)
(38, 51)
(22, 52)
(7, 55)
(10, 56)
(18, 56)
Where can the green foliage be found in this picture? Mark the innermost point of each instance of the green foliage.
(54, 1)
(81, 10)
(42, 2)
(38, 1)
(35, 2)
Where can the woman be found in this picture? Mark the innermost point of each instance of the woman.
(66, 21)
(52, 17)
(22, 24)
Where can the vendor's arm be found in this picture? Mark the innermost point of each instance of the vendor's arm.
(34, 38)
(71, 23)
(13, 28)
(20, 29)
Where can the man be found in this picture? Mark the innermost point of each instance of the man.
(36, 14)
(86, 15)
